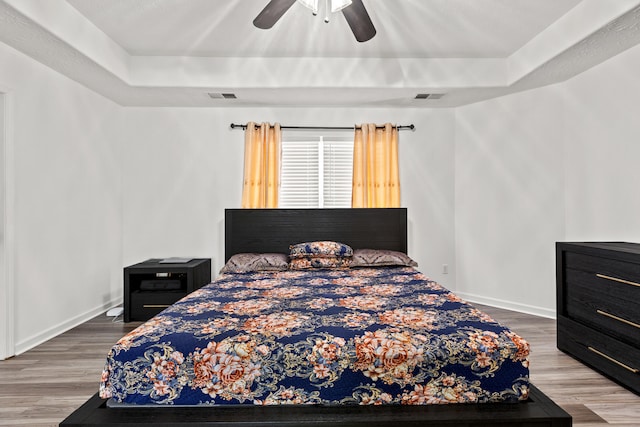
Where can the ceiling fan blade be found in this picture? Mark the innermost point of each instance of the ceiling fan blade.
(359, 21)
(271, 13)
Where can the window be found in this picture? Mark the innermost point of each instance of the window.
(316, 172)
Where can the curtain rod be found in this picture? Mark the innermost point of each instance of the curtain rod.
(403, 127)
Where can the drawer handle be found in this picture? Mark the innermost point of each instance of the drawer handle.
(615, 279)
(156, 305)
(611, 359)
(619, 319)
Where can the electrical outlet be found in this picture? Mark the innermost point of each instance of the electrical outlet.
(445, 268)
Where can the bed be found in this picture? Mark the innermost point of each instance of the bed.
(319, 335)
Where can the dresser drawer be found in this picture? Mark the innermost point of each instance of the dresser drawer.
(145, 305)
(627, 273)
(615, 359)
(604, 306)
(603, 286)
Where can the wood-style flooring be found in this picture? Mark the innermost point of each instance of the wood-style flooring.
(43, 386)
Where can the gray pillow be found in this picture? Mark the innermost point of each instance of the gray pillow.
(250, 262)
(381, 258)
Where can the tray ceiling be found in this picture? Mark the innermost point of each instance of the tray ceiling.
(175, 52)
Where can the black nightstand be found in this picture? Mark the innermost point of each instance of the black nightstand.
(152, 286)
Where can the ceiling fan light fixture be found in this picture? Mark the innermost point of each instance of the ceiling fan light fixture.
(353, 11)
(310, 4)
(314, 6)
(338, 5)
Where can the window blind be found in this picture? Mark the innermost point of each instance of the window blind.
(338, 173)
(316, 173)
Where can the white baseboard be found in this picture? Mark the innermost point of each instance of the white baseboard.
(60, 328)
(508, 305)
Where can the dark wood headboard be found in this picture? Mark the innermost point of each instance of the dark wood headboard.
(273, 230)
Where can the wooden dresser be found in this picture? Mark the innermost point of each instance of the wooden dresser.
(598, 303)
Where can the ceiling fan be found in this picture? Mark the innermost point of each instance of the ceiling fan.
(354, 12)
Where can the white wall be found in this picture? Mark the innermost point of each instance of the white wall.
(183, 167)
(67, 168)
(602, 151)
(509, 199)
(6, 293)
(552, 164)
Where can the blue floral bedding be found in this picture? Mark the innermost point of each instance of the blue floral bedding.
(347, 336)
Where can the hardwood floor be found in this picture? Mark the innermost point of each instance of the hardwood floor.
(44, 385)
(590, 398)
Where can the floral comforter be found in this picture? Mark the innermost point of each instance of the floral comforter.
(351, 336)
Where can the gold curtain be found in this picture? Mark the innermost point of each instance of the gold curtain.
(262, 152)
(376, 177)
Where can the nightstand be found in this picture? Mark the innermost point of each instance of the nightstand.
(152, 285)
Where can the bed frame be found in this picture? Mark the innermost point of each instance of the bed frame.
(273, 230)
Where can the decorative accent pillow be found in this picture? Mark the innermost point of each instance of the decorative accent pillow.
(319, 262)
(320, 249)
(381, 257)
(249, 262)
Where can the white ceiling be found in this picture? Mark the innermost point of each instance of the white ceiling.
(172, 52)
(406, 28)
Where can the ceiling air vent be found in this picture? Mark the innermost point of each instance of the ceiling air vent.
(429, 95)
(222, 95)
